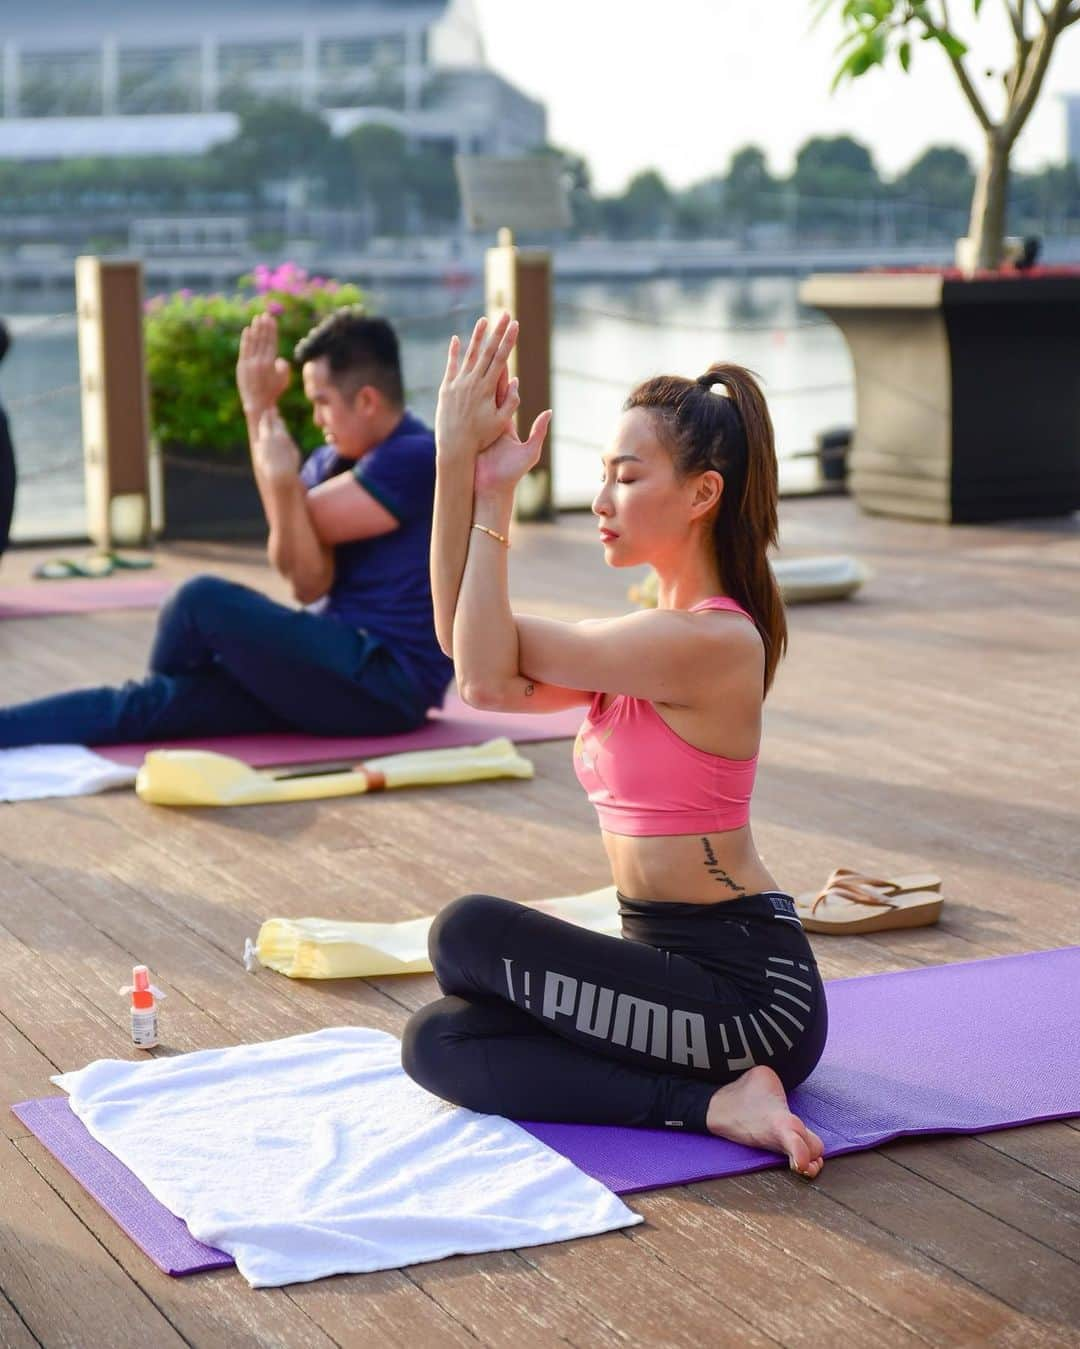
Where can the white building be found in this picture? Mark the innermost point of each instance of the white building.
(136, 77)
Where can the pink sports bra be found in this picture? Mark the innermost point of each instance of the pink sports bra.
(644, 779)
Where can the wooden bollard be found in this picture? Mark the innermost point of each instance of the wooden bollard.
(115, 400)
(518, 281)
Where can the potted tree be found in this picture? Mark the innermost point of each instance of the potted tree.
(196, 420)
(967, 378)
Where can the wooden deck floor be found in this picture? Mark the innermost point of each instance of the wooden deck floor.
(933, 723)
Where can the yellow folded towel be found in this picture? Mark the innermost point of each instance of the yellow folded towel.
(321, 948)
(199, 777)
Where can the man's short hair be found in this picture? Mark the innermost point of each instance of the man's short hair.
(359, 350)
(5, 339)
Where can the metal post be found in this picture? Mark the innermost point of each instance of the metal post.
(413, 74)
(11, 79)
(209, 74)
(310, 71)
(115, 402)
(109, 76)
(519, 282)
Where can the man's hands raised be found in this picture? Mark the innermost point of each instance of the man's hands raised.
(262, 376)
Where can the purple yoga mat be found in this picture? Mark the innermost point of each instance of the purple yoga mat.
(150, 1225)
(946, 1049)
(455, 724)
(46, 599)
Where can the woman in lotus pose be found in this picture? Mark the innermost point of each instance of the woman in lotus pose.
(711, 1007)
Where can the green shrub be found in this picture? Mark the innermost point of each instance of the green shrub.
(191, 346)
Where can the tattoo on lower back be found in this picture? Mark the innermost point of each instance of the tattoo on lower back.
(717, 872)
(530, 689)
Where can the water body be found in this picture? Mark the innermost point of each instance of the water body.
(607, 337)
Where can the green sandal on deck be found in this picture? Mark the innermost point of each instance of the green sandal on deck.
(94, 567)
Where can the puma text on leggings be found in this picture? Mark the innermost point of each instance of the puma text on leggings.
(543, 1020)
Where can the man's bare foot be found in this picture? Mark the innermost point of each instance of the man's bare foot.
(753, 1110)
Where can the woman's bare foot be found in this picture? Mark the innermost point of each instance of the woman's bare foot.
(753, 1110)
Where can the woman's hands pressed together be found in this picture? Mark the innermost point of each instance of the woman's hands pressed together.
(477, 402)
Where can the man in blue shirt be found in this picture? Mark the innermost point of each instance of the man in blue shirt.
(350, 531)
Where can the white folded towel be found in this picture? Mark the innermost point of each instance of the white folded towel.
(41, 771)
(317, 1155)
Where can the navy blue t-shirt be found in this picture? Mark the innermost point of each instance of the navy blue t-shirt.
(383, 584)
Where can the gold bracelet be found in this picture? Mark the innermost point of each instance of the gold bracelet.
(494, 534)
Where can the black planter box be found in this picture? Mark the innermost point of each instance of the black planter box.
(967, 392)
(209, 499)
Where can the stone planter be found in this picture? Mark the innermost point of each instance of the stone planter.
(967, 392)
(210, 499)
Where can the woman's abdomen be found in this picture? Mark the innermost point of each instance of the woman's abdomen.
(688, 868)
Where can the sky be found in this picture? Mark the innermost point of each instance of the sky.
(680, 84)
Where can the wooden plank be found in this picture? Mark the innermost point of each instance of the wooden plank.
(14, 1333)
(989, 1253)
(505, 1302)
(622, 1279)
(1047, 1148)
(212, 1000)
(754, 1276)
(24, 1069)
(61, 1028)
(386, 1308)
(845, 1250)
(999, 1185)
(64, 1285)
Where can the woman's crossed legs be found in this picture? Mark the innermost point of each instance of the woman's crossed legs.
(543, 1020)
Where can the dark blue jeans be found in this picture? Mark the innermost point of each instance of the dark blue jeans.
(228, 661)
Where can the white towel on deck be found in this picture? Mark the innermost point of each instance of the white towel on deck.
(40, 771)
(317, 1155)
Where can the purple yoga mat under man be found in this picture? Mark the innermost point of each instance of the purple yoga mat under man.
(455, 723)
(965, 1048)
(82, 596)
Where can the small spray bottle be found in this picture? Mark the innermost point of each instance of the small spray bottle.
(144, 1014)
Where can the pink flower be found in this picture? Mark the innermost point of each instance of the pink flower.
(275, 307)
(289, 278)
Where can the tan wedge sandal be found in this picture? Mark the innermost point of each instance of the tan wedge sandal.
(850, 903)
(888, 885)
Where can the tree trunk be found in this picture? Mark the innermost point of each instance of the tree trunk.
(989, 204)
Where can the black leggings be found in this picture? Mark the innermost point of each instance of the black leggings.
(543, 1020)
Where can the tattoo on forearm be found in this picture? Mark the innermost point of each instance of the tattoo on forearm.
(717, 872)
(530, 689)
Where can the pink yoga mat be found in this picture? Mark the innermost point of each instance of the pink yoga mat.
(965, 1048)
(455, 724)
(45, 599)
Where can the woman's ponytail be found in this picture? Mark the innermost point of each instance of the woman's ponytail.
(731, 432)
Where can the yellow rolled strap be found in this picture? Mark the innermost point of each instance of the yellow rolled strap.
(199, 777)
